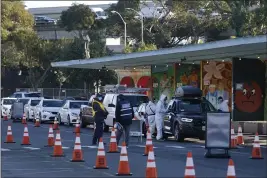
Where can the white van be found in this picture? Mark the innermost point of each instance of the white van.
(110, 101)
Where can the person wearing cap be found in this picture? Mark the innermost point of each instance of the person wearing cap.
(99, 114)
(150, 113)
(124, 114)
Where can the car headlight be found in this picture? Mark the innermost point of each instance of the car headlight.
(186, 120)
(74, 114)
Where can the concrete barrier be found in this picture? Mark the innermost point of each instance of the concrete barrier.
(252, 127)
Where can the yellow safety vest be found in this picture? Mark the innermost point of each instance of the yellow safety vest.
(101, 106)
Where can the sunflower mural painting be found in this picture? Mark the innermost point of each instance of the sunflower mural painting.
(217, 82)
(188, 74)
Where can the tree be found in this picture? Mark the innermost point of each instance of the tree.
(78, 17)
(140, 48)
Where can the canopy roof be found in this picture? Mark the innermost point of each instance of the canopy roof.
(246, 47)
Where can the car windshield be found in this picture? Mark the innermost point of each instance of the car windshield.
(190, 105)
(52, 103)
(24, 101)
(77, 105)
(35, 102)
(32, 95)
(136, 100)
(8, 101)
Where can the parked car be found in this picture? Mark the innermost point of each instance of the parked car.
(30, 106)
(26, 95)
(186, 115)
(43, 20)
(6, 104)
(47, 109)
(86, 113)
(70, 111)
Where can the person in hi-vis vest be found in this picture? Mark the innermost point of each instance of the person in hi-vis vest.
(99, 115)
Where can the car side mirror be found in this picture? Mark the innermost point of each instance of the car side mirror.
(111, 105)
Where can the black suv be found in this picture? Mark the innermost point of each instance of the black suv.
(186, 117)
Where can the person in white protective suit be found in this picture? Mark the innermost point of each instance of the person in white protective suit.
(150, 112)
(223, 105)
(161, 110)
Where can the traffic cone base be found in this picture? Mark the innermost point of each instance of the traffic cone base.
(124, 168)
(77, 155)
(76, 160)
(130, 174)
(58, 151)
(256, 150)
(9, 142)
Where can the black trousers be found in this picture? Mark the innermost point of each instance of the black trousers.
(98, 132)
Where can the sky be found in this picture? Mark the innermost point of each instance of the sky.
(34, 4)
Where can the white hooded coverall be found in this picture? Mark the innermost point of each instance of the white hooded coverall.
(224, 106)
(151, 111)
(160, 113)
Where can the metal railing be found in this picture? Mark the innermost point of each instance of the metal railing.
(58, 93)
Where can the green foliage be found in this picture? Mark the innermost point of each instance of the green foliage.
(140, 48)
(77, 17)
(14, 17)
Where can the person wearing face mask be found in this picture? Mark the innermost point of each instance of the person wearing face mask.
(161, 110)
(150, 113)
(100, 114)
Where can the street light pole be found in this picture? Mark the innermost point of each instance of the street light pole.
(125, 30)
(142, 23)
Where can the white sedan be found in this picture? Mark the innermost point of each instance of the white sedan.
(30, 106)
(47, 109)
(69, 113)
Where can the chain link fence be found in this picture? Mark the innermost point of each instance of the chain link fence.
(58, 93)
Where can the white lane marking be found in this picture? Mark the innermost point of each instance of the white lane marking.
(4, 149)
(89, 146)
(180, 147)
(65, 147)
(32, 148)
(143, 146)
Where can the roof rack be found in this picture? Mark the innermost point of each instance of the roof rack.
(123, 89)
(188, 91)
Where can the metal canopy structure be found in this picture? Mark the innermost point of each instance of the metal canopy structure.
(246, 47)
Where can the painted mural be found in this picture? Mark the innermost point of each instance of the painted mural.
(187, 74)
(217, 82)
(163, 81)
(248, 89)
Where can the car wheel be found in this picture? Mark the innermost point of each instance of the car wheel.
(69, 124)
(177, 136)
(106, 127)
(82, 124)
(59, 120)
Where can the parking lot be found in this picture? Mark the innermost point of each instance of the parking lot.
(35, 161)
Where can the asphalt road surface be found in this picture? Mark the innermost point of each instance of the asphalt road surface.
(35, 160)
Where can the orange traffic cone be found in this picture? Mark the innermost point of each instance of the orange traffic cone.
(240, 139)
(113, 147)
(233, 138)
(23, 121)
(77, 155)
(256, 150)
(37, 122)
(77, 128)
(58, 151)
(149, 145)
(5, 118)
(151, 170)
(124, 168)
(9, 136)
(189, 168)
(101, 161)
(26, 137)
(50, 140)
(231, 169)
(55, 126)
